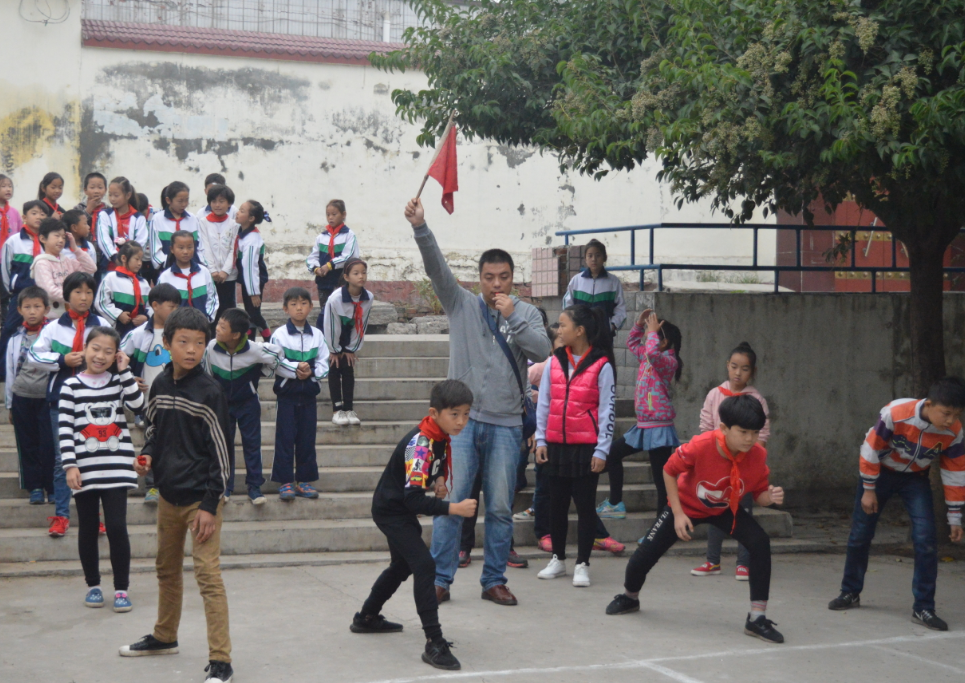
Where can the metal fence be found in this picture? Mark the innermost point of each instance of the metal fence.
(377, 20)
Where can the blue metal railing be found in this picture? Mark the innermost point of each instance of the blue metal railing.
(754, 266)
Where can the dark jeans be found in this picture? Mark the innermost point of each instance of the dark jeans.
(295, 425)
(468, 541)
(409, 556)
(715, 538)
(541, 504)
(88, 505)
(227, 297)
(521, 482)
(31, 425)
(582, 491)
(257, 319)
(614, 468)
(246, 416)
(658, 458)
(662, 536)
(341, 384)
(915, 492)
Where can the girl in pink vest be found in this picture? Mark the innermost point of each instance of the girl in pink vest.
(574, 428)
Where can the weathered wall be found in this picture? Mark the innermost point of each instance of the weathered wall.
(294, 135)
(827, 363)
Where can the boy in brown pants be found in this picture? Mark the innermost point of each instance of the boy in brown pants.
(185, 445)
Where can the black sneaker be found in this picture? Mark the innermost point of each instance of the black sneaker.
(437, 654)
(516, 561)
(623, 604)
(147, 646)
(373, 623)
(218, 672)
(845, 601)
(763, 628)
(929, 619)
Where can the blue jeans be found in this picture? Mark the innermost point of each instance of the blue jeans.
(496, 450)
(915, 492)
(62, 493)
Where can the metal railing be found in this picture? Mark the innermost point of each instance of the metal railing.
(754, 266)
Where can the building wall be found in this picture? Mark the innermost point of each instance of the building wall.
(293, 135)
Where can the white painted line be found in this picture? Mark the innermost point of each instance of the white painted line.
(923, 660)
(654, 663)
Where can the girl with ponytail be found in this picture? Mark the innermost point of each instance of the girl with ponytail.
(574, 428)
(173, 217)
(249, 250)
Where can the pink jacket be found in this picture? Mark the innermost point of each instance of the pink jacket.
(710, 413)
(652, 396)
(49, 272)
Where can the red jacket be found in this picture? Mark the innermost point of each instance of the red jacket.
(574, 404)
(703, 475)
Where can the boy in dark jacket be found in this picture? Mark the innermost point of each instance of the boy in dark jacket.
(187, 417)
(422, 460)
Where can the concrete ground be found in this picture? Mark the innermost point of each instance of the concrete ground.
(291, 624)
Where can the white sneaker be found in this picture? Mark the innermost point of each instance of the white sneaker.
(339, 418)
(555, 569)
(352, 418)
(581, 575)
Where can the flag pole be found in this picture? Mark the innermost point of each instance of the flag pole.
(445, 134)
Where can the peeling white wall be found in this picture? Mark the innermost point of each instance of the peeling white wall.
(294, 135)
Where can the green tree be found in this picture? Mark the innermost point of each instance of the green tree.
(748, 103)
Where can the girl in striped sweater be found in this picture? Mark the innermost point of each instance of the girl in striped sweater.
(122, 295)
(98, 457)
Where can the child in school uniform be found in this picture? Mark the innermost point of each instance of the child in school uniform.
(333, 248)
(25, 393)
(50, 269)
(51, 189)
(58, 351)
(16, 257)
(189, 277)
(95, 189)
(76, 222)
(98, 458)
(219, 236)
(252, 270)
(10, 224)
(210, 181)
(173, 218)
(121, 294)
(296, 465)
(597, 288)
(145, 346)
(574, 427)
(237, 364)
(422, 460)
(345, 319)
(119, 222)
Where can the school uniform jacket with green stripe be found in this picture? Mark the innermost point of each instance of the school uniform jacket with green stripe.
(107, 231)
(339, 323)
(346, 246)
(116, 295)
(252, 271)
(17, 257)
(137, 344)
(163, 225)
(604, 291)
(204, 295)
(55, 341)
(308, 346)
(238, 373)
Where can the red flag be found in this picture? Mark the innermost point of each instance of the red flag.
(444, 169)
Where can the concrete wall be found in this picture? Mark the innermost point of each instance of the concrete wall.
(294, 135)
(827, 363)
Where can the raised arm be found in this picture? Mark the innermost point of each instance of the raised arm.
(133, 398)
(451, 294)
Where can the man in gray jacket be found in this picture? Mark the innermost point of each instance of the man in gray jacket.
(492, 438)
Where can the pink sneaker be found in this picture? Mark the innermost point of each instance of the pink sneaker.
(742, 573)
(706, 569)
(546, 544)
(609, 544)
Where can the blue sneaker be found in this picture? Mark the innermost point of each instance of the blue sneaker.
(95, 598)
(122, 603)
(286, 492)
(304, 490)
(607, 511)
(255, 496)
(37, 497)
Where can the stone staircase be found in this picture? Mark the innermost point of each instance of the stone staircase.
(394, 377)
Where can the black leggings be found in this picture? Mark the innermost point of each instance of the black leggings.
(226, 297)
(115, 519)
(341, 384)
(409, 556)
(582, 490)
(254, 312)
(662, 536)
(614, 468)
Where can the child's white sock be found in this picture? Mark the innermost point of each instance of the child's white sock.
(758, 608)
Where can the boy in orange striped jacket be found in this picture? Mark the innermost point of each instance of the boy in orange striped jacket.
(895, 459)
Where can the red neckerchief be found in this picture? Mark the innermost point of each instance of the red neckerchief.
(138, 301)
(124, 222)
(177, 221)
(331, 238)
(190, 288)
(34, 237)
(727, 392)
(359, 319)
(54, 208)
(4, 223)
(212, 218)
(93, 222)
(573, 365)
(80, 322)
(431, 429)
(735, 475)
(36, 328)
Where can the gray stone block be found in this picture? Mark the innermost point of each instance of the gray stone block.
(432, 324)
(401, 328)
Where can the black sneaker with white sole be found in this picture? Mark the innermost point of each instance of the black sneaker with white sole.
(845, 601)
(373, 623)
(929, 619)
(218, 672)
(437, 654)
(623, 604)
(763, 628)
(148, 646)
